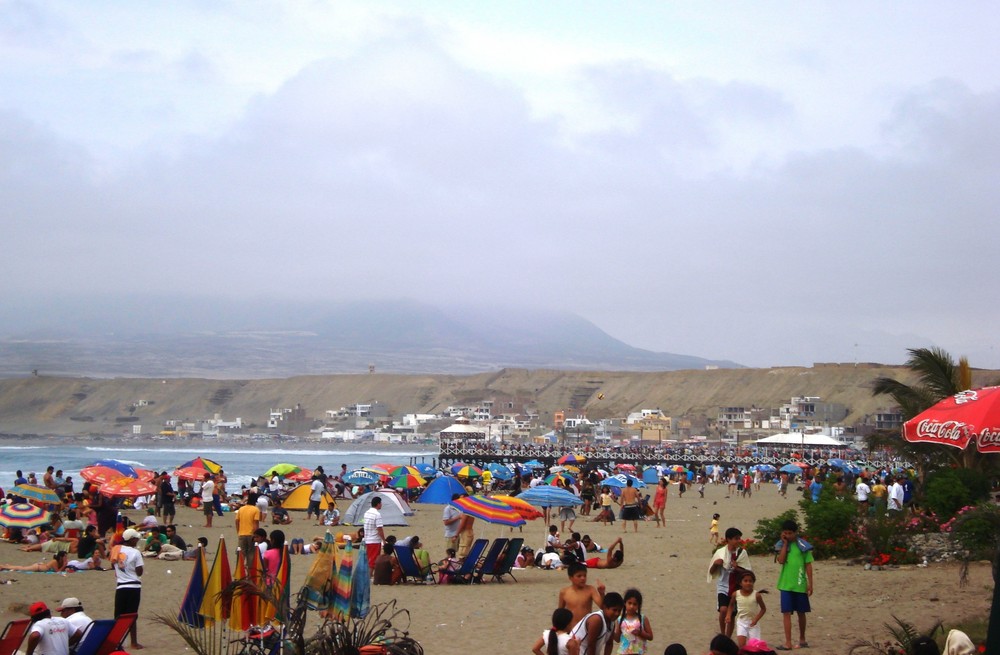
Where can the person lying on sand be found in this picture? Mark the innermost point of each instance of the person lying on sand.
(56, 565)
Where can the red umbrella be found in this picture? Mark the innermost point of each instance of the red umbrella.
(128, 487)
(972, 415)
(303, 475)
(102, 474)
(190, 473)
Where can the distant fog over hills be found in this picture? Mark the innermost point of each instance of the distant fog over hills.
(181, 337)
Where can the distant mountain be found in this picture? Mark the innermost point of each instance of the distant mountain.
(177, 337)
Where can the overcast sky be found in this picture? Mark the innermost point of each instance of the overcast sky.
(766, 182)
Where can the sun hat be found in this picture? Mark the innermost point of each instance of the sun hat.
(70, 603)
(37, 608)
(131, 534)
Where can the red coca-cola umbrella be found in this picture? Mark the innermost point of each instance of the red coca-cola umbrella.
(966, 417)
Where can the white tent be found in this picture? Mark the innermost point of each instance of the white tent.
(798, 439)
(395, 509)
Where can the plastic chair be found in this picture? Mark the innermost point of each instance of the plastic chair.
(118, 633)
(94, 636)
(13, 635)
(506, 565)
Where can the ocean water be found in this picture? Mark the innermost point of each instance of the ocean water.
(241, 464)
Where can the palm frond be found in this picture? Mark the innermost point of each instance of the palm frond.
(212, 639)
(936, 369)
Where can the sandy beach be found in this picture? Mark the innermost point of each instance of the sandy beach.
(668, 565)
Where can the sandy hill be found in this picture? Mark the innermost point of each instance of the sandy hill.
(74, 406)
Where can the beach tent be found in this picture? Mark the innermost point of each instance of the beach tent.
(440, 491)
(798, 439)
(298, 498)
(395, 509)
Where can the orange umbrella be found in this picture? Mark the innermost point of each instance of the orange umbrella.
(527, 511)
(304, 475)
(190, 473)
(102, 474)
(128, 487)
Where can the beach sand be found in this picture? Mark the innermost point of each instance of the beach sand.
(668, 565)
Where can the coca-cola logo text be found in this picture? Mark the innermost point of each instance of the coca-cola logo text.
(988, 440)
(963, 397)
(942, 430)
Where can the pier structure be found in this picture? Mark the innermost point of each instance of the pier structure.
(482, 453)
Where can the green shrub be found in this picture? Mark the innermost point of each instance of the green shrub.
(768, 531)
(830, 517)
(949, 490)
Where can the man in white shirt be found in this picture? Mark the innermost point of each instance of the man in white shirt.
(49, 635)
(207, 491)
(315, 496)
(128, 567)
(896, 496)
(862, 490)
(71, 609)
(374, 532)
(452, 521)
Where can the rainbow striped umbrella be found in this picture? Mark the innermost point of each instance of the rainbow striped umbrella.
(241, 607)
(489, 510)
(36, 493)
(22, 515)
(462, 470)
(405, 470)
(572, 458)
(202, 463)
(555, 478)
(408, 481)
(342, 584)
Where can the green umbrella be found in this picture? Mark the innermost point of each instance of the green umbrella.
(283, 469)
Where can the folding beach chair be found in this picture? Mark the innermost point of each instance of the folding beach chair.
(408, 564)
(94, 636)
(506, 565)
(117, 635)
(464, 573)
(13, 635)
(489, 563)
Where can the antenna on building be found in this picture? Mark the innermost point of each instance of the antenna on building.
(371, 369)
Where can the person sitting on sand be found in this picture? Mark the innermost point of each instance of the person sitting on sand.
(92, 563)
(613, 559)
(56, 565)
(279, 515)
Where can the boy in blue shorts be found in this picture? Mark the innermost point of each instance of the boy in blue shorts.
(795, 582)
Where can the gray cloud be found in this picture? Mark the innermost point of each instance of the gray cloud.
(399, 172)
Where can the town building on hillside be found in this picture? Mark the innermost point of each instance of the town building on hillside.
(289, 420)
(809, 412)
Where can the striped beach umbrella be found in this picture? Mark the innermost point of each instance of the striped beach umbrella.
(489, 510)
(463, 470)
(408, 481)
(405, 470)
(556, 478)
(36, 494)
(342, 584)
(572, 458)
(546, 496)
(191, 603)
(22, 515)
(212, 607)
(202, 463)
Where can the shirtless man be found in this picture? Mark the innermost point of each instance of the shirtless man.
(580, 597)
(629, 501)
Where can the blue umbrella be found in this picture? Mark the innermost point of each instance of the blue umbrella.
(620, 481)
(500, 471)
(763, 468)
(791, 468)
(426, 469)
(651, 476)
(361, 477)
(440, 491)
(549, 496)
(533, 464)
(125, 469)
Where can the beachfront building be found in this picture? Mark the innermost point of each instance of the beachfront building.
(809, 412)
(463, 430)
(289, 420)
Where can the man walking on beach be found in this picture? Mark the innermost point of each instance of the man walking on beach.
(128, 565)
(315, 497)
(207, 495)
(374, 532)
(451, 519)
(726, 561)
(247, 522)
(795, 582)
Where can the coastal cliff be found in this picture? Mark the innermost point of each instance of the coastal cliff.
(81, 406)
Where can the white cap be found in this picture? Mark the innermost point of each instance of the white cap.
(131, 534)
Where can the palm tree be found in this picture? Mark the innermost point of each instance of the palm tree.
(938, 377)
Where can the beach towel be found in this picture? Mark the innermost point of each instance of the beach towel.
(804, 545)
(742, 560)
